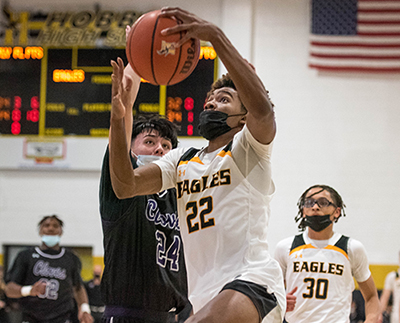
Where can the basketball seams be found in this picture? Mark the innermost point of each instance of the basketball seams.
(152, 49)
(180, 55)
(162, 66)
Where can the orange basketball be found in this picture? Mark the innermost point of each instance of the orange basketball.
(153, 56)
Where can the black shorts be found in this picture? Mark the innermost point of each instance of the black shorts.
(262, 300)
(118, 314)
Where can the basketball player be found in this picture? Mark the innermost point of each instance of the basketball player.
(46, 279)
(392, 287)
(319, 264)
(144, 278)
(223, 190)
(94, 294)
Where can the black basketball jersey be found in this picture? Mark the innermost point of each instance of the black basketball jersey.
(61, 271)
(143, 252)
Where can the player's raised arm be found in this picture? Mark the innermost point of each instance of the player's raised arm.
(260, 119)
(131, 82)
(125, 181)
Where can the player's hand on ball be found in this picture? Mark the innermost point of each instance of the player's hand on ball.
(194, 26)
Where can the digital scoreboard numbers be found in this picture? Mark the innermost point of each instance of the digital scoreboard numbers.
(185, 100)
(19, 90)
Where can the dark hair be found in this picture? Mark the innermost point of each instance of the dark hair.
(165, 128)
(55, 217)
(337, 199)
(226, 81)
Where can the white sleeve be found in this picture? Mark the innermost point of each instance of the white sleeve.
(261, 150)
(281, 255)
(390, 281)
(168, 164)
(359, 261)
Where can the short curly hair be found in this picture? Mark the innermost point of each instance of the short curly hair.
(226, 81)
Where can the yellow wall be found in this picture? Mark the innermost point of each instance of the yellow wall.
(379, 273)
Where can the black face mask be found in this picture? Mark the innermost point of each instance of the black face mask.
(212, 124)
(318, 223)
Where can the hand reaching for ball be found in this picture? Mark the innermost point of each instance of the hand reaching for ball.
(194, 26)
(155, 57)
(120, 93)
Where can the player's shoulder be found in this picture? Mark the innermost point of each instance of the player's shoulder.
(176, 155)
(27, 252)
(391, 275)
(355, 245)
(245, 137)
(70, 253)
(185, 152)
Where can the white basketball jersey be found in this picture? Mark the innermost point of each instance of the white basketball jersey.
(323, 276)
(223, 207)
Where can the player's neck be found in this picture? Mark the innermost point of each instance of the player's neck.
(325, 234)
(222, 140)
(55, 248)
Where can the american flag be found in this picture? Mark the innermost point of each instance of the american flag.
(355, 36)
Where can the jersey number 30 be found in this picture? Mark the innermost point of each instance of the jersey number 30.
(316, 288)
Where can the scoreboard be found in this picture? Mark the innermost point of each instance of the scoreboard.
(67, 91)
(56, 80)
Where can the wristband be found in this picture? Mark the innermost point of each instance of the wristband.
(26, 291)
(85, 308)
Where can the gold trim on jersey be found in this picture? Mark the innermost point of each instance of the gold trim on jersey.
(306, 246)
(194, 159)
(223, 153)
(328, 247)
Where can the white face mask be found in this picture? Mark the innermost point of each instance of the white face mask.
(50, 241)
(142, 160)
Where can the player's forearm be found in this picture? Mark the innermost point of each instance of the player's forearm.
(13, 290)
(250, 88)
(372, 305)
(384, 300)
(121, 170)
(130, 100)
(372, 310)
(82, 301)
(80, 295)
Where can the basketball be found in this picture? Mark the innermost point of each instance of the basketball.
(153, 56)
